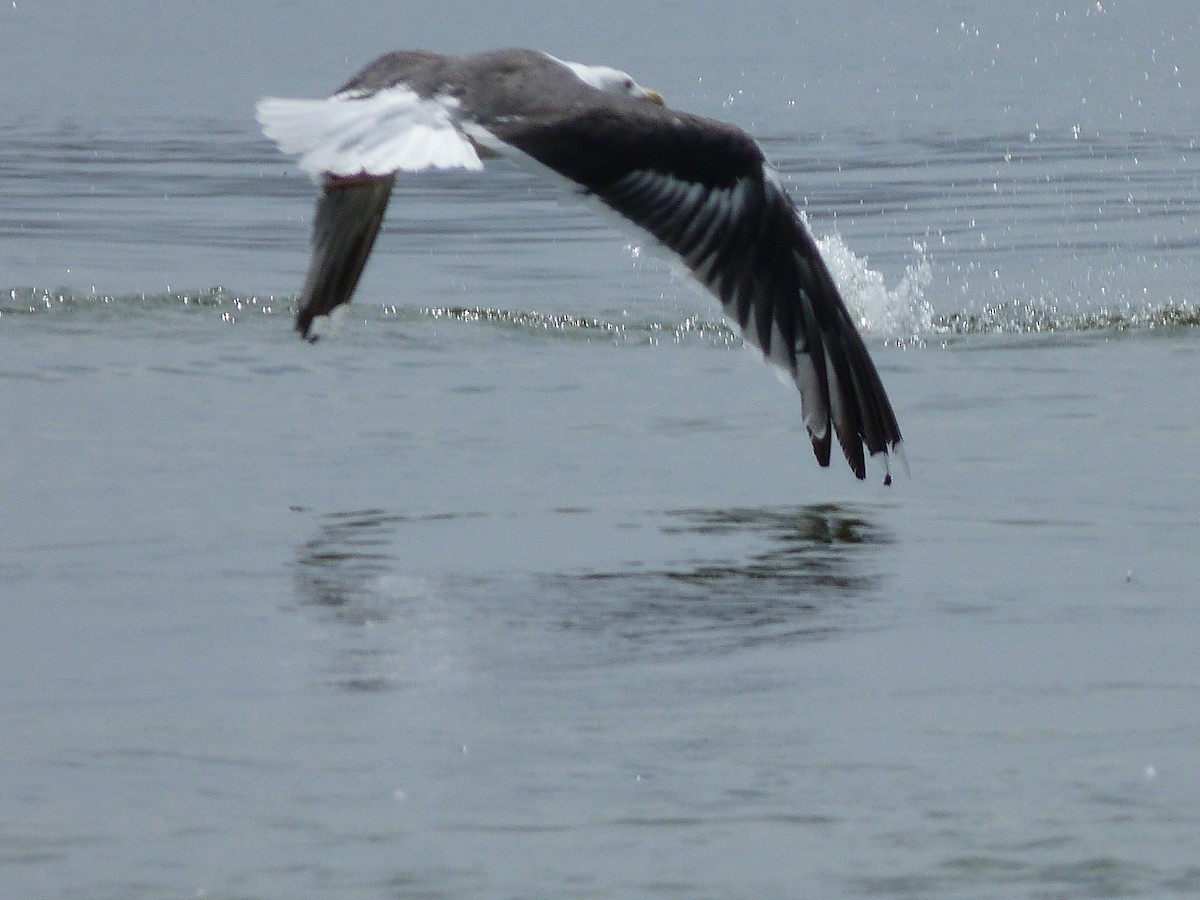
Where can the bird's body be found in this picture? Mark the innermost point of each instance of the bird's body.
(698, 187)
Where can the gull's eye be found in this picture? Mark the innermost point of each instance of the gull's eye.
(628, 85)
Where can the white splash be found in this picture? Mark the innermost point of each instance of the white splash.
(899, 313)
(330, 323)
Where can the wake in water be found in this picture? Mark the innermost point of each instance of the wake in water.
(34, 301)
(1047, 318)
(900, 315)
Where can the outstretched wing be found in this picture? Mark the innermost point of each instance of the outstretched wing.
(702, 190)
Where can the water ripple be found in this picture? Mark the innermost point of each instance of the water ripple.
(1016, 317)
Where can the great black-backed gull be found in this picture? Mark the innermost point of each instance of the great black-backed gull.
(697, 187)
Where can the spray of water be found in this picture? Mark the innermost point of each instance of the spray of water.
(899, 314)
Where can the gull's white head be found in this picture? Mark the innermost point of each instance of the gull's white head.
(613, 81)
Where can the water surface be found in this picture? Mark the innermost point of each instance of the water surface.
(525, 583)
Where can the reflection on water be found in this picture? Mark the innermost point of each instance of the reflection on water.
(744, 576)
(335, 566)
(338, 570)
(392, 627)
(810, 564)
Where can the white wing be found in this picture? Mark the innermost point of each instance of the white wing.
(390, 131)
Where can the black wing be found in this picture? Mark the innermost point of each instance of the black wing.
(702, 189)
(348, 217)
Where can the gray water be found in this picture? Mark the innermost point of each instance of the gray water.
(525, 583)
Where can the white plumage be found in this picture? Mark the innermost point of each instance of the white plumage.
(391, 131)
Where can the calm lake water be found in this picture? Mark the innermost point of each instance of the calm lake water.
(525, 583)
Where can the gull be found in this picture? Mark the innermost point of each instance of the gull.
(695, 187)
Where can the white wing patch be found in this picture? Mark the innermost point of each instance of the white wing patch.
(393, 130)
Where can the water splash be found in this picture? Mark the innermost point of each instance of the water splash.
(900, 313)
(903, 316)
